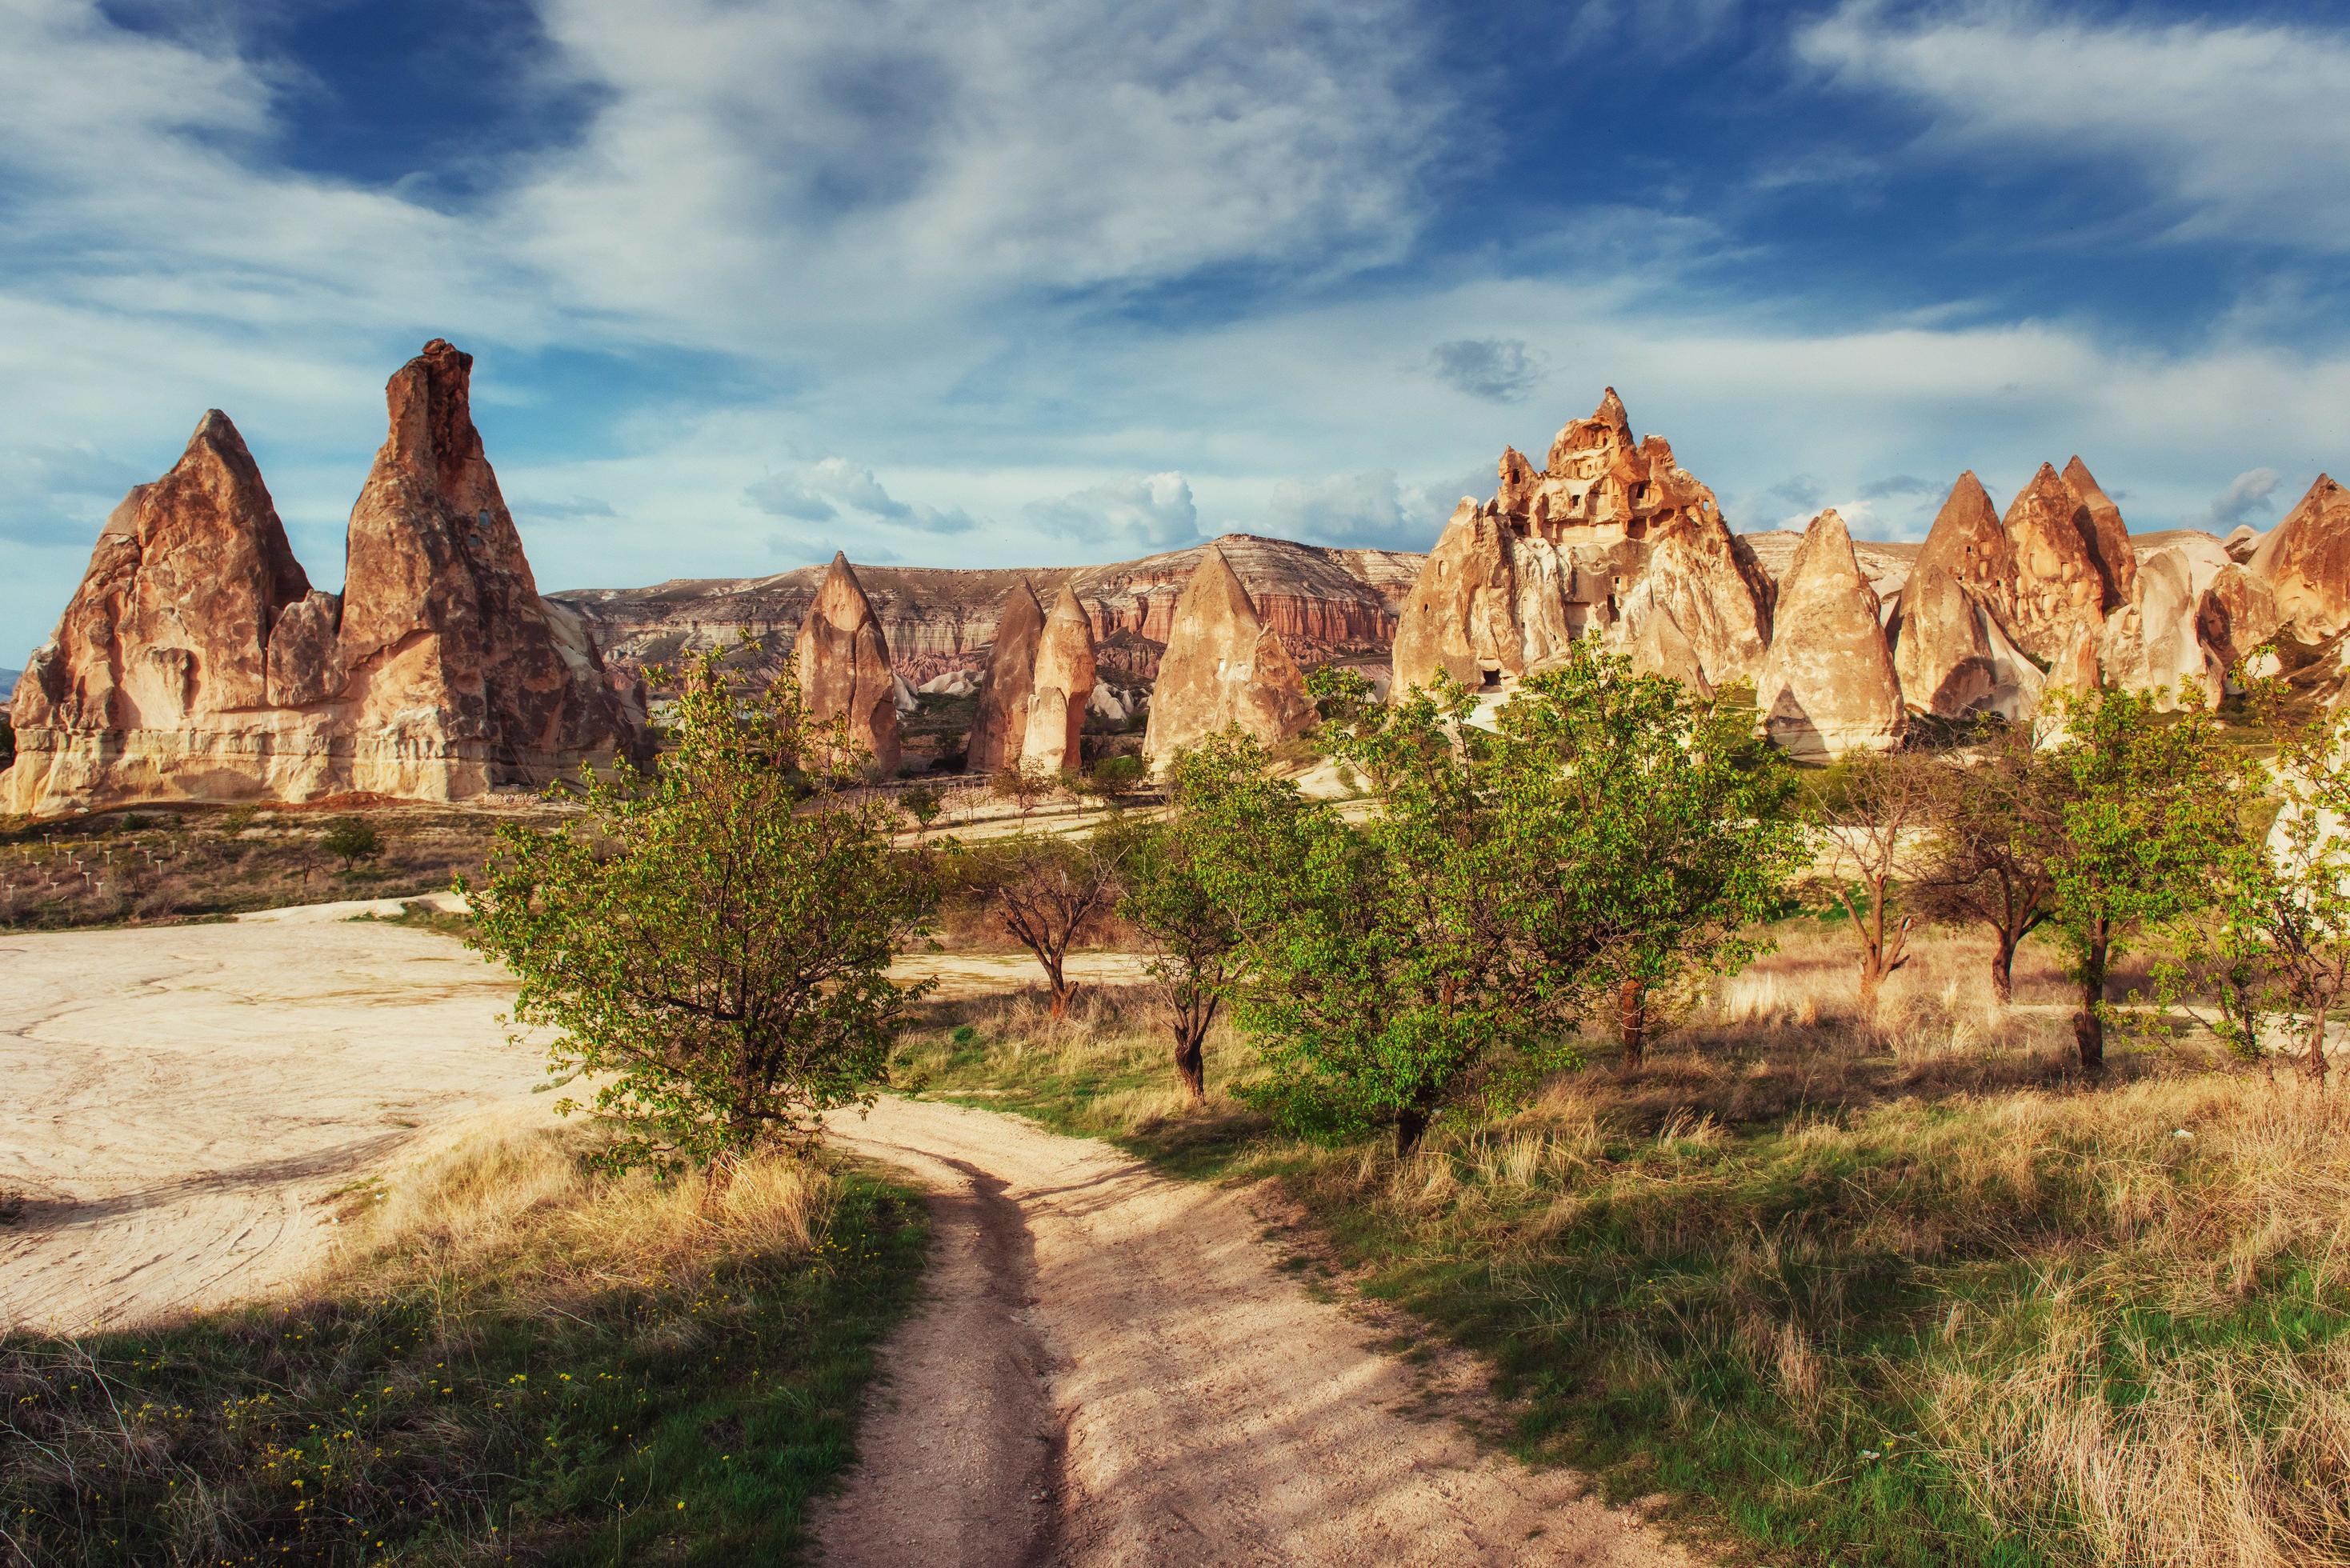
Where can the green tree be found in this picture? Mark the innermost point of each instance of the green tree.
(923, 804)
(1613, 837)
(2281, 938)
(1048, 890)
(713, 938)
(1873, 816)
(2000, 807)
(2151, 825)
(352, 839)
(1171, 900)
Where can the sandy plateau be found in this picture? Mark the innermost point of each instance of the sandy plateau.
(1112, 1366)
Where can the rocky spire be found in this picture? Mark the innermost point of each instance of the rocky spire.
(1951, 655)
(2306, 560)
(1001, 719)
(1222, 667)
(1608, 427)
(167, 630)
(1827, 684)
(1061, 688)
(844, 667)
(1969, 542)
(2059, 584)
(2109, 537)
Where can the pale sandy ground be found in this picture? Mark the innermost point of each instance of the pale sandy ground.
(183, 1103)
(1114, 1369)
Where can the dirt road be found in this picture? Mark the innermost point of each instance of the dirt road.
(1115, 1368)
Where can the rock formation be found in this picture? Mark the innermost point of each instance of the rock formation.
(1952, 649)
(2110, 540)
(196, 662)
(2151, 644)
(844, 668)
(1224, 666)
(2305, 561)
(1607, 537)
(1324, 603)
(1827, 685)
(2237, 616)
(1060, 690)
(1001, 723)
(2060, 583)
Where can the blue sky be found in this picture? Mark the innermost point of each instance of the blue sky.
(967, 284)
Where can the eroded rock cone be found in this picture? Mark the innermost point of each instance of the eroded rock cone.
(2152, 644)
(1827, 685)
(138, 693)
(844, 668)
(1952, 657)
(1969, 543)
(1608, 538)
(2305, 561)
(1061, 688)
(457, 674)
(2110, 540)
(1001, 722)
(2059, 585)
(1222, 667)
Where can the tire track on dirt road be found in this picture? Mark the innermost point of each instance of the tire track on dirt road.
(1202, 1405)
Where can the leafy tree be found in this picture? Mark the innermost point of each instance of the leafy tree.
(2149, 827)
(1172, 900)
(922, 803)
(1872, 818)
(712, 939)
(1987, 863)
(1115, 776)
(1612, 836)
(2281, 939)
(1048, 889)
(352, 839)
(1023, 789)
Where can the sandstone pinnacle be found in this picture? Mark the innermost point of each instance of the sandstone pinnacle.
(1222, 667)
(1000, 722)
(844, 668)
(1827, 685)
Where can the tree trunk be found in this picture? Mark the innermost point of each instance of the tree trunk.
(1059, 987)
(2089, 1022)
(2002, 969)
(2312, 1065)
(1632, 1021)
(1872, 981)
(1412, 1122)
(1191, 1060)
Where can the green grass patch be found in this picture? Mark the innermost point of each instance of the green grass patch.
(1840, 1303)
(536, 1363)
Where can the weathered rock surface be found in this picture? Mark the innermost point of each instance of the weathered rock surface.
(2236, 615)
(1607, 538)
(2110, 540)
(1224, 666)
(1827, 685)
(2059, 585)
(1061, 688)
(1969, 543)
(2151, 644)
(2305, 561)
(1951, 655)
(843, 662)
(195, 661)
(1001, 723)
(1324, 603)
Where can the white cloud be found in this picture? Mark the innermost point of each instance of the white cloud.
(1499, 369)
(1154, 512)
(2246, 495)
(1369, 507)
(2236, 129)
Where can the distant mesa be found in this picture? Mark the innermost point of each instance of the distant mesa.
(196, 662)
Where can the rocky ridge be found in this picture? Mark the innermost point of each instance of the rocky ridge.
(196, 660)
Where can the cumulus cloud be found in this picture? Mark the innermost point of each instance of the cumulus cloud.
(1369, 508)
(1503, 369)
(1155, 512)
(2247, 494)
(2234, 128)
(1799, 490)
(787, 496)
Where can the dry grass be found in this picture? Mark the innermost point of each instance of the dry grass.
(1901, 1290)
(519, 1358)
